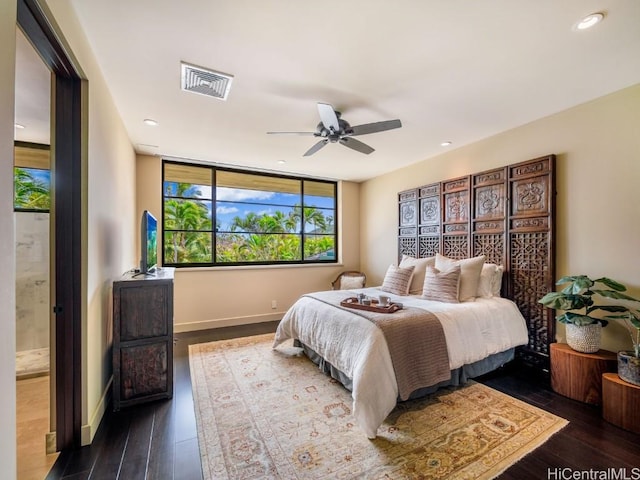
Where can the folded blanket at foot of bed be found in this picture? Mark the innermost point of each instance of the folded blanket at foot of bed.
(415, 339)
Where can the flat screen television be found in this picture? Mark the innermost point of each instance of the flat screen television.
(148, 243)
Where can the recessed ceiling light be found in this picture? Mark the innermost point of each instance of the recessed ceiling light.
(589, 21)
(445, 144)
(17, 125)
(282, 162)
(150, 121)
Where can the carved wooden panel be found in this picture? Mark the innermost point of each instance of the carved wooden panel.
(428, 246)
(408, 208)
(529, 196)
(490, 202)
(455, 246)
(430, 210)
(456, 207)
(506, 214)
(408, 246)
(529, 253)
(532, 251)
(489, 215)
(492, 245)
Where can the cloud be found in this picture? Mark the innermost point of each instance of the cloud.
(237, 194)
(226, 210)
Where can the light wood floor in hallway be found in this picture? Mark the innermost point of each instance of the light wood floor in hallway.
(32, 418)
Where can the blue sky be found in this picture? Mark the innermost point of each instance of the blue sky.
(236, 202)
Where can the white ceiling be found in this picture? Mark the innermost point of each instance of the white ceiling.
(455, 70)
(33, 89)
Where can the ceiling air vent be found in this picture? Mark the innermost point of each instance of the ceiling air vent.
(205, 82)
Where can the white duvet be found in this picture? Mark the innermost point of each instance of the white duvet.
(355, 346)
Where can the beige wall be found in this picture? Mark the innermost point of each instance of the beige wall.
(109, 199)
(598, 172)
(217, 297)
(7, 259)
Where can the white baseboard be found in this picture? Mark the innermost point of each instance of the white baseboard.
(226, 322)
(87, 432)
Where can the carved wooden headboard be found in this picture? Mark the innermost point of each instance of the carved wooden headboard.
(507, 214)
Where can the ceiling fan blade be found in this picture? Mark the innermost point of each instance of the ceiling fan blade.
(292, 133)
(316, 147)
(376, 127)
(356, 145)
(328, 117)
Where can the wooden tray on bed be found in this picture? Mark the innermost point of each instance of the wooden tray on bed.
(352, 302)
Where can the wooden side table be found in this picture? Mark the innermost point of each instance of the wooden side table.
(620, 402)
(578, 375)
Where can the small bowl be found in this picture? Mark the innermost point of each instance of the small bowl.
(366, 301)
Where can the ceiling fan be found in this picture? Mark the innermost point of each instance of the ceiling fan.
(333, 129)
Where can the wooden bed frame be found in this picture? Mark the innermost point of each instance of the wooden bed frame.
(507, 214)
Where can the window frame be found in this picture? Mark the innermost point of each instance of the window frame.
(213, 231)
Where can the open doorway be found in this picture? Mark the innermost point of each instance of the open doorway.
(66, 213)
(32, 202)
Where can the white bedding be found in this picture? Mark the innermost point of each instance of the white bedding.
(355, 346)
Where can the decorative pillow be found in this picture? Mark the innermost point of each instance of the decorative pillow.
(420, 264)
(350, 282)
(487, 278)
(470, 269)
(497, 281)
(441, 286)
(397, 280)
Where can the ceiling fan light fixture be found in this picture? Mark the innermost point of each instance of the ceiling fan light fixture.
(333, 129)
(590, 21)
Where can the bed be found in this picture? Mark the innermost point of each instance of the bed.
(505, 215)
(480, 336)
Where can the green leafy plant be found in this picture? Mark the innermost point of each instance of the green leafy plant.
(577, 302)
(631, 319)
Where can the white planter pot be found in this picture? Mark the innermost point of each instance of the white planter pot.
(585, 338)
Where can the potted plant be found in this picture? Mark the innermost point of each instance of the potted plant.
(576, 300)
(629, 361)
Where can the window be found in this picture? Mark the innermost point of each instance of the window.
(31, 177)
(216, 216)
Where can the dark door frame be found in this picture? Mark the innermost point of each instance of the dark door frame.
(66, 154)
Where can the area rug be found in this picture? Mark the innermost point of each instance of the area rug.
(264, 413)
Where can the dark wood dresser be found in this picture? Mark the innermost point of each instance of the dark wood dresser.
(142, 338)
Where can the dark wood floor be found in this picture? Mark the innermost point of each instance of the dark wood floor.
(158, 440)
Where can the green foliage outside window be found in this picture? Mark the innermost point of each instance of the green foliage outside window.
(31, 189)
(259, 219)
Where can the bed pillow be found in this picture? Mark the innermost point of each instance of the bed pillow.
(486, 281)
(420, 266)
(441, 286)
(397, 280)
(497, 281)
(351, 282)
(470, 269)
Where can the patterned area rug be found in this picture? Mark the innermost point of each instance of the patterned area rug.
(264, 413)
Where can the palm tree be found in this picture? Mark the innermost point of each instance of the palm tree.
(184, 222)
(29, 191)
(247, 224)
(315, 217)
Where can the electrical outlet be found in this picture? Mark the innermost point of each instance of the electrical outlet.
(274, 304)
